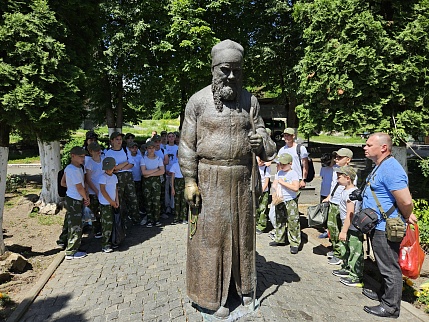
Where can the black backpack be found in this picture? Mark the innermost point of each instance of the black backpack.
(61, 190)
(311, 172)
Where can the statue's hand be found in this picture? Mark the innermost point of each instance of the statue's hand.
(255, 143)
(192, 194)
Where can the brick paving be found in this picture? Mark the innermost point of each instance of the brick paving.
(145, 281)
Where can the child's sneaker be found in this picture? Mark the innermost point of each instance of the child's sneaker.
(98, 235)
(185, 222)
(107, 249)
(330, 254)
(340, 272)
(144, 221)
(158, 224)
(149, 225)
(335, 261)
(77, 255)
(351, 282)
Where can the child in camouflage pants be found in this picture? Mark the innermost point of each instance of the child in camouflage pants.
(287, 180)
(153, 169)
(350, 239)
(109, 199)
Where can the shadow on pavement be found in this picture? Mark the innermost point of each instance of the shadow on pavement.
(272, 274)
(50, 306)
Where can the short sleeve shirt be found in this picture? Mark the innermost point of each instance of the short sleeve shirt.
(96, 172)
(175, 168)
(343, 205)
(265, 173)
(74, 176)
(390, 176)
(296, 163)
(110, 182)
(120, 157)
(289, 177)
(151, 164)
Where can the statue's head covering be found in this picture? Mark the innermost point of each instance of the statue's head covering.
(227, 51)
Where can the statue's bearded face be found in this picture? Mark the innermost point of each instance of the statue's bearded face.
(227, 81)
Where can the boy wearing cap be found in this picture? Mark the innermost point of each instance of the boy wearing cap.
(287, 180)
(109, 200)
(299, 162)
(351, 240)
(93, 170)
(342, 157)
(76, 198)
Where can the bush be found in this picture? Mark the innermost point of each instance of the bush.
(13, 182)
(65, 155)
(421, 210)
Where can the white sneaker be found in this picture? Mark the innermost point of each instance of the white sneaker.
(76, 255)
(107, 249)
(144, 221)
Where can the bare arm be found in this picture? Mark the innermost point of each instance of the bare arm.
(294, 186)
(350, 210)
(405, 204)
(63, 181)
(82, 191)
(173, 192)
(88, 180)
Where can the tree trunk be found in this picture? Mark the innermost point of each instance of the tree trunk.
(50, 162)
(4, 154)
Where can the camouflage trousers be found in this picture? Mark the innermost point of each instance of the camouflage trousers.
(139, 193)
(180, 204)
(106, 224)
(261, 212)
(352, 254)
(73, 223)
(334, 227)
(127, 196)
(94, 205)
(152, 192)
(287, 213)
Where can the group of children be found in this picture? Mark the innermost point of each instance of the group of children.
(138, 183)
(338, 182)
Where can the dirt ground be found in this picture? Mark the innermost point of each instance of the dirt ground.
(33, 237)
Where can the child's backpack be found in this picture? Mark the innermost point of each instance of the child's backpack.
(311, 172)
(61, 190)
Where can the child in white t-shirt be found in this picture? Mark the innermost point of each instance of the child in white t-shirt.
(109, 200)
(287, 180)
(351, 240)
(178, 192)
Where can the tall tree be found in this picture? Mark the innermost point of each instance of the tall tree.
(39, 92)
(362, 68)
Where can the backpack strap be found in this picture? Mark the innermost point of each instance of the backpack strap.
(298, 151)
(333, 190)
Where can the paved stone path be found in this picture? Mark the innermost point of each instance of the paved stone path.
(145, 281)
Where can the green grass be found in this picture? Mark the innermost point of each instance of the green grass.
(46, 220)
(323, 138)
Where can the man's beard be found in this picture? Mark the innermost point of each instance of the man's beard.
(222, 92)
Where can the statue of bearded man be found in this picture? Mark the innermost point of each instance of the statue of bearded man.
(215, 155)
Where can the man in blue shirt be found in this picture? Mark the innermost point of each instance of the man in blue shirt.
(390, 184)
